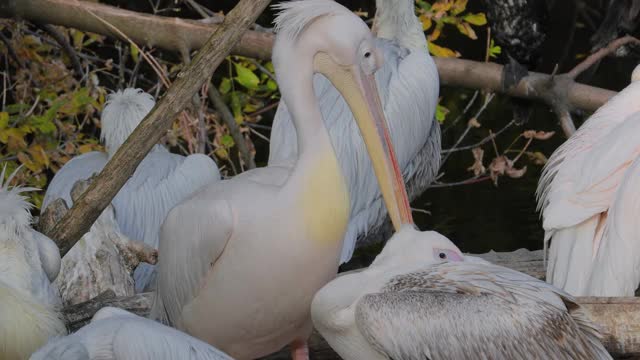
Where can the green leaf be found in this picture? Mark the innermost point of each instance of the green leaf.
(271, 85)
(458, 7)
(227, 141)
(78, 37)
(225, 86)
(246, 77)
(236, 106)
(494, 50)
(135, 53)
(16, 108)
(441, 113)
(476, 19)
(4, 120)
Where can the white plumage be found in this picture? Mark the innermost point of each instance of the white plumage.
(422, 299)
(29, 262)
(408, 86)
(160, 182)
(115, 334)
(579, 187)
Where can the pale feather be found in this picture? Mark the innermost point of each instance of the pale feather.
(115, 334)
(618, 259)
(450, 310)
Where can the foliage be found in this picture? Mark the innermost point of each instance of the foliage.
(452, 12)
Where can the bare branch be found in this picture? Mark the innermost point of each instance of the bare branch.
(66, 47)
(601, 54)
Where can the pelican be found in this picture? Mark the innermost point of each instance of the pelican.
(160, 182)
(422, 298)
(408, 86)
(29, 262)
(253, 250)
(594, 249)
(116, 334)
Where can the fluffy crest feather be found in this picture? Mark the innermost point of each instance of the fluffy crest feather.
(14, 208)
(123, 111)
(294, 16)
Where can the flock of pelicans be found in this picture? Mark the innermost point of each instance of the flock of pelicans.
(248, 265)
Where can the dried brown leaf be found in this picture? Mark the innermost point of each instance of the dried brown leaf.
(538, 135)
(477, 167)
(474, 123)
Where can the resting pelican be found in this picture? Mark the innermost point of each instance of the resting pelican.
(29, 262)
(254, 249)
(116, 334)
(422, 299)
(594, 248)
(160, 182)
(408, 83)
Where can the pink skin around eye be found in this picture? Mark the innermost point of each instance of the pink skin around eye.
(449, 255)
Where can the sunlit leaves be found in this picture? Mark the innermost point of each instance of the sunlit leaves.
(441, 113)
(494, 50)
(246, 77)
(451, 12)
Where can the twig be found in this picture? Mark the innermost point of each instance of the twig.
(11, 51)
(234, 129)
(491, 136)
(600, 54)
(473, 180)
(262, 68)
(66, 47)
(469, 126)
(464, 111)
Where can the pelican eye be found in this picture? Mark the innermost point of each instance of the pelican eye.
(367, 54)
(442, 255)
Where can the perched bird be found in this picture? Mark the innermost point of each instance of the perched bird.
(115, 334)
(160, 182)
(408, 86)
(29, 262)
(242, 258)
(423, 299)
(583, 183)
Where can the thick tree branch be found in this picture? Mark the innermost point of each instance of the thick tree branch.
(176, 34)
(118, 170)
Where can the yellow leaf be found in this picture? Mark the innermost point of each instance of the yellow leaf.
(440, 51)
(458, 7)
(39, 155)
(426, 22)
(475, 19)
(85, 148)
(466, 29)
(441, 6)
(435, 34)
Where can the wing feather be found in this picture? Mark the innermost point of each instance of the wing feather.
(207, 226)
(618, 259)
(120, 335)
(426, 314)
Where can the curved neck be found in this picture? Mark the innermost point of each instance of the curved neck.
(295, 73)
(396, 20)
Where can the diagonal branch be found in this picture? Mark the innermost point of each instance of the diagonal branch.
(122, 165)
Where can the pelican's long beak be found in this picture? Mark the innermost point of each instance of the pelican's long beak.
(361, 93)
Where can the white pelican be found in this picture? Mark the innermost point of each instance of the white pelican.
(160, 182)
(115, 334)
(593, 252)
(29, 262)
(408, 86)
(422, 299)
(253, 250)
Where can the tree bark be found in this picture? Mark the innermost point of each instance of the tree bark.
(177, 34)
(120, 168)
